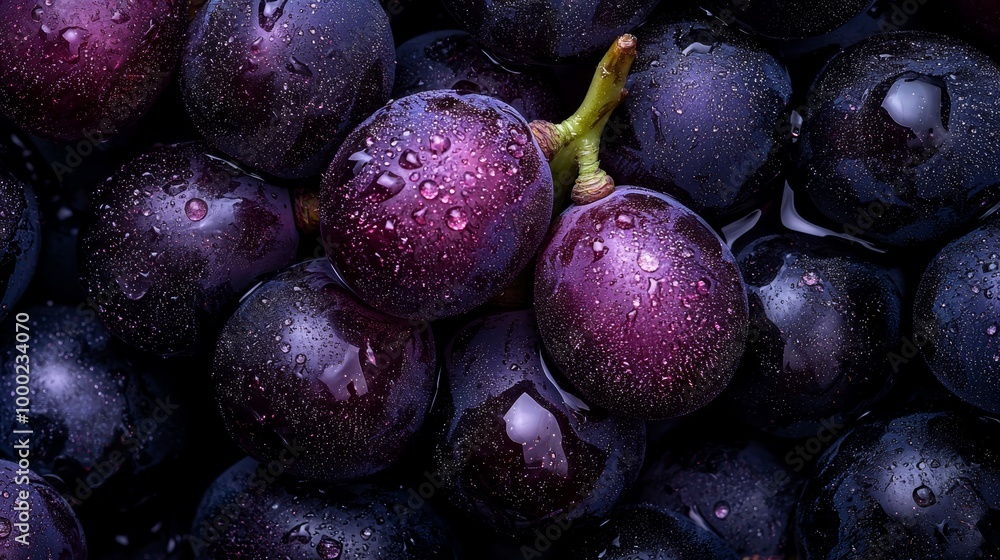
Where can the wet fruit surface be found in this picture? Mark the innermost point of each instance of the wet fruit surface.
(279, 84)
(701, 117)
(50, 529)
(514, 448)
(898, 144)
(248, 513)
(435, 204)
(305, 370)
(640, 304)
(957, 317)
(177, 237)
(789, 18)
(922, 486)
(20, 238)
(85, 68)
(824, 320)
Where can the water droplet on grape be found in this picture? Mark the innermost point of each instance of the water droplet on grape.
(366, 533)
(924, 496)
(329, 549)
(5, 527)
(625, 221)
(722, 510)
(409, 160)
(457, 219)
(439, 144)
(385, 186)
(648, 261)
(196, 209)
(429, 189)
(296, 66)
(418, 216)
(74, 38)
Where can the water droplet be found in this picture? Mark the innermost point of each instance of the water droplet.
(696, 47)
(722, 510)
(269, 12)
(916, 103)
(36, 14)
(429, 189)
(418, 216)
(625, 221)
(648, 261)
(298, 534)
(196, 209)
(329, 549)
(469, 179)
(704, 286)
(409, 160)
(5, 527)
(74, 38)
(457, 219)
(599, 249)
(119, 17)
(439, 144)
(300, 358)
(991, 330)
(515, 149)
(924, 496)
(810, 278)
(296, 66)
(285, 347)
(366, 533)
(385, 186)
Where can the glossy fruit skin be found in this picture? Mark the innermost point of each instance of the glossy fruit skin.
(957, 317)
(910, 188)
(53, 529)
(178, 235)
(699, 126)
(236, 519)
(435, 204)
(921, 486)
(451, 59)
(740, 491)
(548, 31)
(645, 532)
(20, 238)
(514, 449)
(824, 321)
(303, 367)
(86, 69)
(103, 420)
(279, 84)
(789, 18)
(640, 304)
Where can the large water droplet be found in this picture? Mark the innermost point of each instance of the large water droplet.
(625, 221)
(298, 534)
(721, 510)
(439, 144)
(36, 14)
(916, 103)
(269, 12)
(366, 533)
(409, 160)
(924, 496)
(120, 17)
(385, 186)
(329, 549)
(418, 216)
(196, 209)
(73, 38)
(648, 261)
(5, 527)
(296, 66)
(429, 189)
(457, 218)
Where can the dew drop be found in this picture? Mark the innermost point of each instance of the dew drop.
(296, 66)
(196, 209)
(991, 330)
(418, 216)
(515, 150)
(722, 510)
(429, 189)
(439, 144)
(5, 527)
(74, 39)
(409, 160)
(366, 533)
(625, 221)
(648, 261)
(298, 534)
(469, 179)
(457, 219)
(924, 496)
(385, 186)
(36, 14)
(329, 549)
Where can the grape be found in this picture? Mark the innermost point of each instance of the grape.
(49, 529)
(548, 31)
(178, 235)
(824, 319)
(790, 18)
(248, 513)
(921, 486)
(897, 145)
(700, 119)
(304, 370)
(278, 84)
(516, 450)
(79, 69)
(640, 304)
(452, 60)
(957, 317)
(435, 204)
(20, 238)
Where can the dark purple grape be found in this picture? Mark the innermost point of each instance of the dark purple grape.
(957, 317)
(516, 450)
(85, 68)
(304, 369)
(824, 319)
(922, 486)
(179, 234)
(20, 238)
(453, 60)
(646, 531)
(701, 117)
(548, 31)
(641, 304)
(35, 522)
(278, 84)
(102, 419)
(897, 146)
(435, 204)
(247, 513)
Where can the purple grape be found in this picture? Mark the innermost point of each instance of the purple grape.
(304, 369)
(85, 68)
(249, 514)
(278, 84)
(20, 238)
(701, 117)
(516, 450)
(641, 304)
(453, 60)
(49, 529)
(435, 204)
(179, 234)
(897, 146)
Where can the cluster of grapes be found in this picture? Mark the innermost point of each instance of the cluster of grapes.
(297, 279)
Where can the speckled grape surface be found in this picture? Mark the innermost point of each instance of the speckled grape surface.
(435, 204)
(740, 491)
(53, 530)
(957, 316)
(645, 532)
(178, 235)
(824, 320)
(640, 304)
(790, 18)
(513, 448)
(303, 367)
(701, 117)
(279, 84)
(898, 145)
(20, 238)
(451, 59)
(548, 31)
(86, 68)
(247, 513)
(923, 486)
